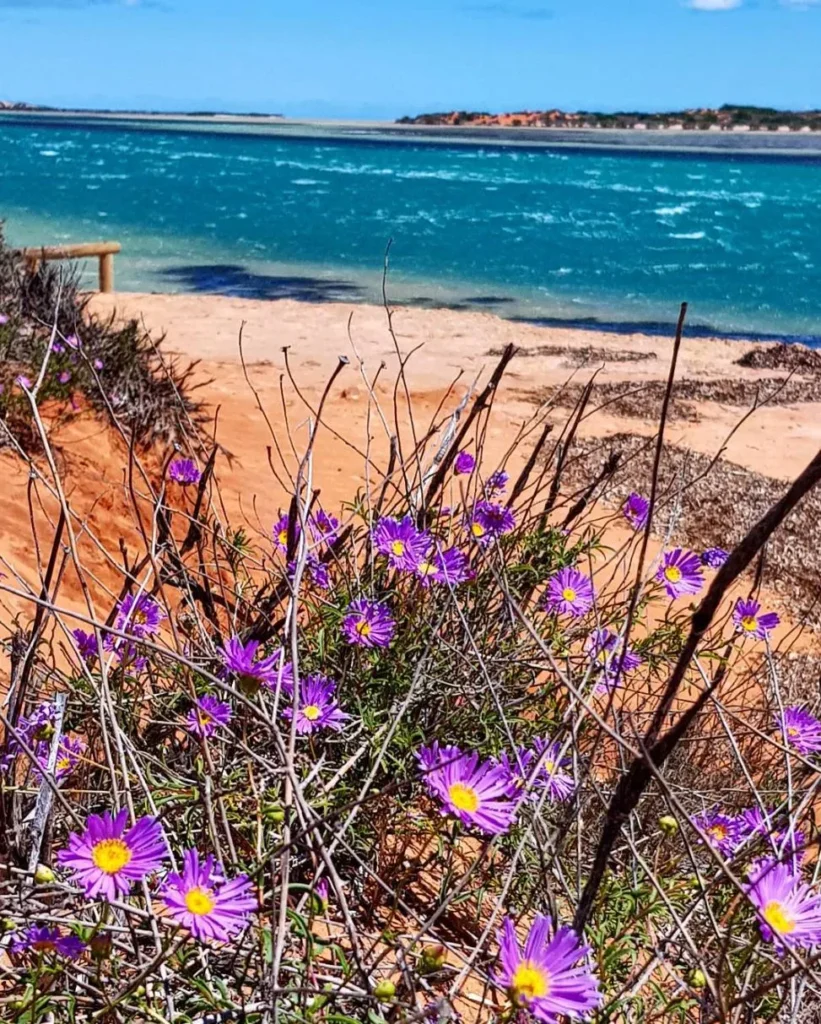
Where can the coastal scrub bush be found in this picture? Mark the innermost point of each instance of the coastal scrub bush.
(114, 367)
(477, 746)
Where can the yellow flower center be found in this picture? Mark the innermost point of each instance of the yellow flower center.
(139, 617)
(529, 982)
(778, 918)
(43, 945)
(199, 901)
(477, 529)
(749, 623)
(464, 798)
(549, 767)
(311, 712)
(792, 732)
(672, 573)
(717, 831)
(282, 537)
(398, 547)
(426, 568)
(63, 764)
(363, 628)
(111, 855)
(569, 594)
(203, 719)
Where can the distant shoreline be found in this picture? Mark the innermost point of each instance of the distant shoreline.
(795, 145)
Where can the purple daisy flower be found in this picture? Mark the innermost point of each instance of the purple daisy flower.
(325, 527)
(754, 822)
(184, 471)
(433, 757)
(368, 623)
(47, 940)
(317, 707)
(127, 654)
(202, 900)
(240, 659)
(680, 572)
(69, 752)
(64, 377)
(208, 715)
(3, 319)
(801, 730)
(316, 571)
(551, 977)
(635, 510)
(517, 768)
(553, 772)
(281, 532)
(788, 909)
(398, 539)
(449, 566)
(490, 520)
(464, 463)
(714, 558)
(605, 648)
(723, 833)
(106, 860)
(86, 644)
(750, 623)
(140, 616)
(73, 341)
(477, 793)
(496, 482)
(569, 592)
(23, 381)
(98, 364)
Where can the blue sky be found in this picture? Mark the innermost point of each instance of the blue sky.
(385, 58)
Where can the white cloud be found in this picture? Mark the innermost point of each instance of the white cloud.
(714, 5)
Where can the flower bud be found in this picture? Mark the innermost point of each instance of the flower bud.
(43, 875)
(668, 825)
(432, 959)
(697, 978)
(384, 989)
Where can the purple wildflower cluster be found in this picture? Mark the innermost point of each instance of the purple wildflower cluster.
(411, 550)
(728, 834)
(41, 940)
(543, 767)
(107, 860)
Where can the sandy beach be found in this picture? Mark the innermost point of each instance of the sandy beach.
(449, 352)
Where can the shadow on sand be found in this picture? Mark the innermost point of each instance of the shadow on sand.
(237, 281)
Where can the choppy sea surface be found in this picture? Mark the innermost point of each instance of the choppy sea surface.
(596, 238)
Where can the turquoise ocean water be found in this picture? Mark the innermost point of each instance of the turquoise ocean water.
(588, 237)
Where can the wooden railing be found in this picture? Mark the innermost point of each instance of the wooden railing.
(104, 250)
